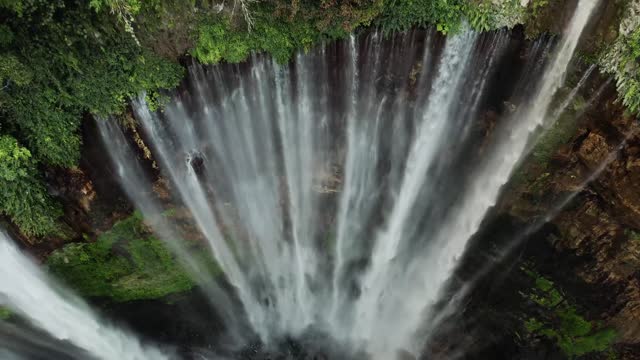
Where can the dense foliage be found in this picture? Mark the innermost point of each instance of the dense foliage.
(280, 27)
(446, 14)
(23, 196)
(59, 60)
(622, 57)
(623, 61)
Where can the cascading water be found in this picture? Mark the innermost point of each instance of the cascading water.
(331, 193)
(27, 290)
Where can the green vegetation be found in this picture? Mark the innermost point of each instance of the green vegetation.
(125, 263)
(59, 60)
(401, 15)
(622, 60)
(23, 196)
(632, 235)
(279, 29)
(4, 313)
(535, 174)
(542, 16)
(559, 320)
(448, 15)
(71, 61)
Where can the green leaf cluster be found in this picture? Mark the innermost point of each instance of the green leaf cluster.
(628, 72)
(23, 196)
(622, 58)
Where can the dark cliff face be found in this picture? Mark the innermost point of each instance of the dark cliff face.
(598, 227)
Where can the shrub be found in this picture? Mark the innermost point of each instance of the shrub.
(23, 197)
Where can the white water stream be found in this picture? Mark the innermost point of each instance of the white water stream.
(27, 290)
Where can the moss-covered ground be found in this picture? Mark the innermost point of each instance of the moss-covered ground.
(557, 318)
(5, 313)
(125, 263)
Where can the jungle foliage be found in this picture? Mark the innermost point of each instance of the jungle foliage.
(281, 27)
(58, 61)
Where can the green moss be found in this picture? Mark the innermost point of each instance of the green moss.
(559, 133)
(542, 17)
(559, 320)
(171, 212)
(4, 313)
(632, 235)
(125, 263)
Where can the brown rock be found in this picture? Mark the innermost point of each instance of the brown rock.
(593, 151)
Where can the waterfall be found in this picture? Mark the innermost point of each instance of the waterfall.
(338, 192)
(28, 291)
(446, 248)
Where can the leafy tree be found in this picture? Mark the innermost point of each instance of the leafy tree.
(124, 10)
(75, 61)
(60, 59)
